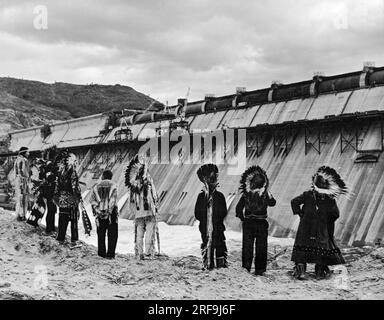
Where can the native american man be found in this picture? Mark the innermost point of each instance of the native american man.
(22, 183)
(252, 211)
(104, 206)
(68, 196)
(144, 205)
(318, 212)
(211, 210)
(45, 188)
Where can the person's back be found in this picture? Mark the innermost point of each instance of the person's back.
(68, 196)
(139, 206)
(104, 198)
(318, 211)
(219, 211)
(104, 206)
(21, 167)
(211, 210)
(22, 180)
(144, 206)
(252, 211)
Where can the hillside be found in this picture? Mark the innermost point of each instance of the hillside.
(35, 266)
(25, 103)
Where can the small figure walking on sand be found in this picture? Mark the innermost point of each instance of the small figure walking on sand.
(318, 212)
(211, 210)
(252, 211)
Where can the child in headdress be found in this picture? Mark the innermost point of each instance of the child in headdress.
(318, 212)
(211, 210)
(104, 207)
(252, 211)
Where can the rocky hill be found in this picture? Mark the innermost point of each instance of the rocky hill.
(25, 103)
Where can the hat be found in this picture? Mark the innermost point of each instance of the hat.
(327, 181)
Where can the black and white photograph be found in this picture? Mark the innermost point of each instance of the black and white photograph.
(203, 152)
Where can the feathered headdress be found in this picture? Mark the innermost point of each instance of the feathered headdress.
(134, 175)
(208, 173)
(254, 179)
(327, 181)
(67, 160)
(138, 180)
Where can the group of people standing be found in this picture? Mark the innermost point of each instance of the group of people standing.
(54, 188)
(58, 187)
(316, 208)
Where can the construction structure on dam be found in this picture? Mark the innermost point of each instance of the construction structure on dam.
(291, 130)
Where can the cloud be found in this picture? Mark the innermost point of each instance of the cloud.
(162, 47)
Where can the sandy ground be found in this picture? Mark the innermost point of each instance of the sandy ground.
(35, 266)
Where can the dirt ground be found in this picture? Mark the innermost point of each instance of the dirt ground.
(35, 266)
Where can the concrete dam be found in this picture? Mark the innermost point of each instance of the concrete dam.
(290, 131)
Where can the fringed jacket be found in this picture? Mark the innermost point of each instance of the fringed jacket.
(144, 203)
(22, 173)
(68, 193)
(104, 200)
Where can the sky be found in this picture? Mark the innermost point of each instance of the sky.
(171, 49)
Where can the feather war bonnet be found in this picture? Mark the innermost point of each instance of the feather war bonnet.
(254, 179)
(135, 174)
(327, 181)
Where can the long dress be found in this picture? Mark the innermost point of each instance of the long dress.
(314, 241)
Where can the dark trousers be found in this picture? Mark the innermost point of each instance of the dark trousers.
(64, 218)
(50, 217)
(218, 250)
(255, 230)
(112, 233)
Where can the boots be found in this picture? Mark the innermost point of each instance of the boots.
(299, 271)
(259, 272)
(221, 262)
(322, 271)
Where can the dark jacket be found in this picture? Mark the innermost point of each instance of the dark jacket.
(219, 212)
(314, 241)
(317, 214)
(254, 207)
